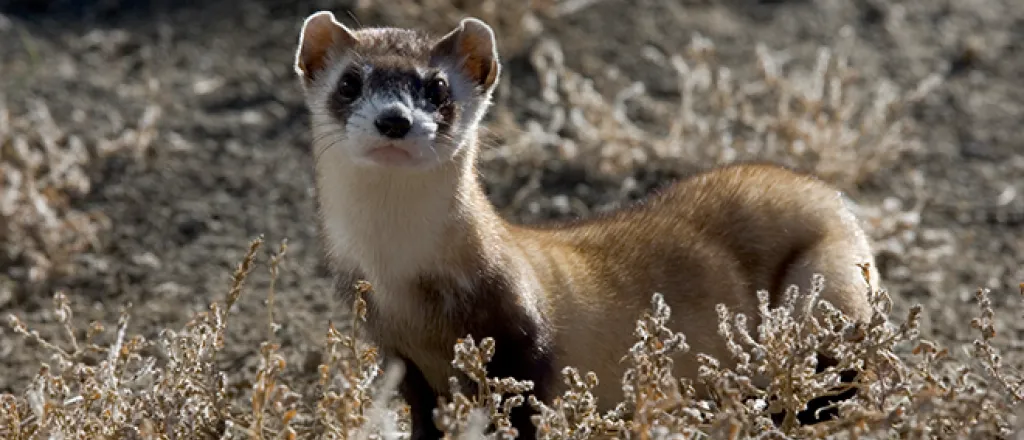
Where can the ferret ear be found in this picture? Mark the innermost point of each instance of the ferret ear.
(473, 48)
(321, 33)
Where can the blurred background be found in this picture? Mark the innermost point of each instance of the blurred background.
(143, 143)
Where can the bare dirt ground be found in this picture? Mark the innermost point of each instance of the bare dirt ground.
(217, 151)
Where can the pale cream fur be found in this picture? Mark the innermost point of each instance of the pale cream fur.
(689, 247)
(718, 237)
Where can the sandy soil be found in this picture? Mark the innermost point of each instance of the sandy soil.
(230, 159)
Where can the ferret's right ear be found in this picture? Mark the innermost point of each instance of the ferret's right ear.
(474, 49)
(321, 33)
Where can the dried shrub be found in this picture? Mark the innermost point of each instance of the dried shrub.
(128, 392)
(824, 119)
(43, 170)
(908, 386)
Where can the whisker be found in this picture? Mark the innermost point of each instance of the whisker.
(316, 157)
(355, 19)
(328, 140)
(436, 155)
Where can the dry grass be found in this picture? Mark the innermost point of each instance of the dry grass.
(910, 387)
(822, 117)
(43, 170)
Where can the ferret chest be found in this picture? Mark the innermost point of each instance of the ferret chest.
(389, 228)
(423, 322)
(420, 321)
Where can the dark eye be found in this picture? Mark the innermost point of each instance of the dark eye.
(351, 85)
(437, 92)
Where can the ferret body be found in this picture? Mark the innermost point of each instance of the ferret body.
(395, 115)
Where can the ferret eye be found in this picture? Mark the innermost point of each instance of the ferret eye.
(437, 92)
(351, 85)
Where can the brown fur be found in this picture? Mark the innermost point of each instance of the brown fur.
(566, 293)
(716, 237)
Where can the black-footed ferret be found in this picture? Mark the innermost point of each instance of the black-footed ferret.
(395, 115)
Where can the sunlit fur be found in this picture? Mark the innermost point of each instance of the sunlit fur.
(357, 135)
(390, 221)
(716, 237)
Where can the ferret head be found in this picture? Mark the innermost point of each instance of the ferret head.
(395, 98)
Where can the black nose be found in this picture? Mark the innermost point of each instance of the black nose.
(393, 124)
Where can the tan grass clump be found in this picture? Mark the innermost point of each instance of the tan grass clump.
(113, 385)
(43, 170)
(825, 119)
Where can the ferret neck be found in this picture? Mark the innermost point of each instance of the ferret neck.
(396, 225)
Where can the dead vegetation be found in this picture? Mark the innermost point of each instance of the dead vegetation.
(43, 170)
(824, 119)
(820, 115)
(910, 387)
